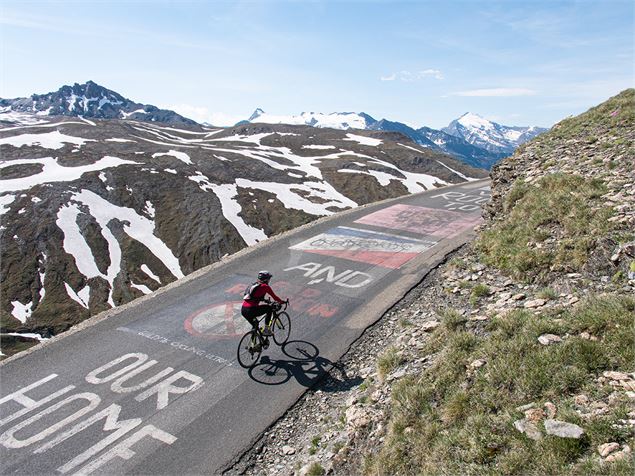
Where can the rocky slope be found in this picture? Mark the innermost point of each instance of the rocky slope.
(516, 355)
(91, 100)
(97, 213)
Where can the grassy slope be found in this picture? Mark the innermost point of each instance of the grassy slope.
(450, 420)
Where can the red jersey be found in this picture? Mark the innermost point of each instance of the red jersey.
(258, 294)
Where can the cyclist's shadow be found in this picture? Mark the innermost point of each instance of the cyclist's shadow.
(304, 363)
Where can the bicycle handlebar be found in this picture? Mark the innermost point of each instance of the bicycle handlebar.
(278, 305)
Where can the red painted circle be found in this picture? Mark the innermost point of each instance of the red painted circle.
(218, 321)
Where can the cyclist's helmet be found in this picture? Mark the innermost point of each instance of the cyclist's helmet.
(264, 276)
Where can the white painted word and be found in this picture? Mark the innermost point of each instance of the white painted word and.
(347, 278)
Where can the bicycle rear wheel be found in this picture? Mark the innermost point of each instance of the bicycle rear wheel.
(281, 326)
(249, 350)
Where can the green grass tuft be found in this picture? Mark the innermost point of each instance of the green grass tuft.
(463, 422)
(315, 469)
(388, 361)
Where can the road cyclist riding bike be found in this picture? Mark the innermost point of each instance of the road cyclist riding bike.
(276, 322)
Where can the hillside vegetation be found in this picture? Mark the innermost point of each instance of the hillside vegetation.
(561, 226)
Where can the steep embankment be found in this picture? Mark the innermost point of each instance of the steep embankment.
(515, 357)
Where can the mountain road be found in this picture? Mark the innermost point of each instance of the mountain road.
(154, 387)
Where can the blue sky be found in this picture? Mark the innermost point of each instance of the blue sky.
(419, 62)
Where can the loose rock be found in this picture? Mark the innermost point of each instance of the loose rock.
(430, 325)
(528, 428)
(548, 339)
(563, 429)
(357, 417)
(534, 303)
(607, 448)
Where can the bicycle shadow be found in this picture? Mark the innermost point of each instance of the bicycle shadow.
(304, 363)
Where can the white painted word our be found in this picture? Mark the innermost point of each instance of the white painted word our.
(161, 387)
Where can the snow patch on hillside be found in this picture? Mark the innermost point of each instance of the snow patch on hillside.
(54, 172)
(318, 147)
(255, 138)
(82, 297)
(48, 140)
(134, 225)
(15, 117)
(456, 172)
(290, 196)
(182, 156)
(27, 335)
(21, 311)
(364, 140)
(141, 287)
(4, 201)
(227, 194)
(148, 271)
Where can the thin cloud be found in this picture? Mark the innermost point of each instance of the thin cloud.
(411, 76)
(496, 92)
(103, 31)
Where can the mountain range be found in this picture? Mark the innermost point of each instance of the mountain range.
(472, 139)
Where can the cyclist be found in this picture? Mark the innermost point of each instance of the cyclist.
(252, 308)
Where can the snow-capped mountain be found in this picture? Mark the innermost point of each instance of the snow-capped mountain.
(489, 135)
(91, 100)
(336, 120)
(96, 213)
(472, 146)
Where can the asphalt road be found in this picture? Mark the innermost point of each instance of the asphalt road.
(154, 387)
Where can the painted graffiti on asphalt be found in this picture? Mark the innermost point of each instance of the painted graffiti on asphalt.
(422, 220)
(125, 375)
(366, 246)
(223, 319)
(465, 202)
(177, 344)
(319, 273)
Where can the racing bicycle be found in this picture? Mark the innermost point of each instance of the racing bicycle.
(254, 342)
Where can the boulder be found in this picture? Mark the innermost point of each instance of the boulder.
(563, 429)
(548, 339)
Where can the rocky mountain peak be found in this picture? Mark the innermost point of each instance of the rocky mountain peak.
(256, 114)
(472, 120)
(489, 135)
(92, 100)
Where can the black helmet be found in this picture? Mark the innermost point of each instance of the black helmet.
(264, 276)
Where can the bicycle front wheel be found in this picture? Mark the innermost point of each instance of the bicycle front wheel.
(249, 350)
(281, 328)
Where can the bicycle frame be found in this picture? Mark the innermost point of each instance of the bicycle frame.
(257, 341)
